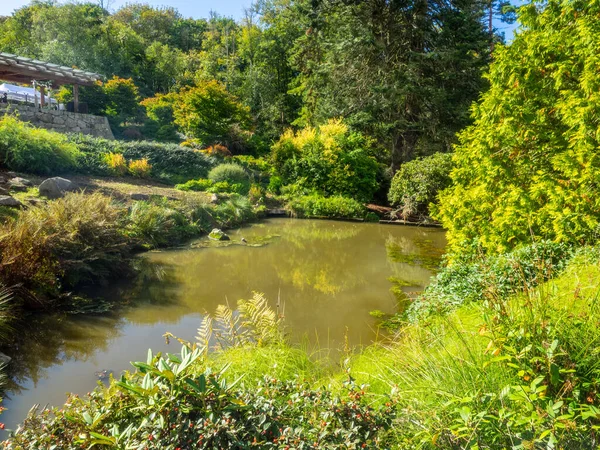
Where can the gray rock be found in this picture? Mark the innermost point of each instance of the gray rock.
(218, 235)
(214, 199)
(56, 187)
(4, 191)
(139, 196)
(11, 174)
(18, 187)
(7, 200)
(19, 180)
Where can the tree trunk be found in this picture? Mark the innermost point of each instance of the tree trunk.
(403, 148)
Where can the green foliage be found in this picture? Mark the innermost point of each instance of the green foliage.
(275, 185)
(404, 73)
(475, 279)
(336, 207)
(174, 400)
(161, 125)
(227, 187)
(529, 165)
(417, 184)
(195, 185)
(170, 161)
(34, 150)
(159, 225)
(329, 158)
(254, 164)
(234, 211)
(209, 113)
(232, 174)
(122, 98)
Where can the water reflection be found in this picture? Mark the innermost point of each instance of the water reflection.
(328, 275)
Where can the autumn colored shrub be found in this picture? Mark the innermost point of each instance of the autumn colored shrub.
(140, 168)
(116, 163)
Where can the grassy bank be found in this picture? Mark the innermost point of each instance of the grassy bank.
(51, 250)
(515, 370)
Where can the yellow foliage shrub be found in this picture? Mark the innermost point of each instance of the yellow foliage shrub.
(140, 168)
(116, 163)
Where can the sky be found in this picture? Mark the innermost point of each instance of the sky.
(202, 8)
(188, 8)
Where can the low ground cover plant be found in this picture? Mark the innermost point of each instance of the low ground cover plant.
(169, 162)
(475, 278)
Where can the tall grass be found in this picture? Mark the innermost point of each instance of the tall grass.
(59, 245)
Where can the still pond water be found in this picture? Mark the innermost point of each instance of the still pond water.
(328, 276)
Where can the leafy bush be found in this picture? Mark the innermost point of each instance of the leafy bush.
(529, 164)
(416, 185)
(252, 163)
(116, 163)
(231, 173)
(475, 279)
(330, 159)
(195, 185)
(275, 185)
(34, 150)
(161, 123)
(227, 187)
(333, 207)
(60, 245)
(140, 168)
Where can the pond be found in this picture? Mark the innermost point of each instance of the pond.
(326, 277)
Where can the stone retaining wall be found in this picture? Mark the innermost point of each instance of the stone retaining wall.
(61, 121)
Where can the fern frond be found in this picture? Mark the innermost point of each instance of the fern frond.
(205, 332)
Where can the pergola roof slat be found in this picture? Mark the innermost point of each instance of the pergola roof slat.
(24, 70)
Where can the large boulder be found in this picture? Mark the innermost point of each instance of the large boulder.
(7, 200)
(218, 235)
(56, 187)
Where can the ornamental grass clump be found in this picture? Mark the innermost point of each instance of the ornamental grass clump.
(63, 244)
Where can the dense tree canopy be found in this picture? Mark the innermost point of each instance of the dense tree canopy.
(529, 166)
(402, 72)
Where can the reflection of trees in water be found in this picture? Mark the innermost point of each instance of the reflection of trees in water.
(419, 250)
(43, 341)
(46, 341)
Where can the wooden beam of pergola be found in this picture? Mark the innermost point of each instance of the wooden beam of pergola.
(24, 70)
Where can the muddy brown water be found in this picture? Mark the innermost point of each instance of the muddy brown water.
(327, 275)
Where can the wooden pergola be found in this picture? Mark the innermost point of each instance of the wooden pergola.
(31, 71)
